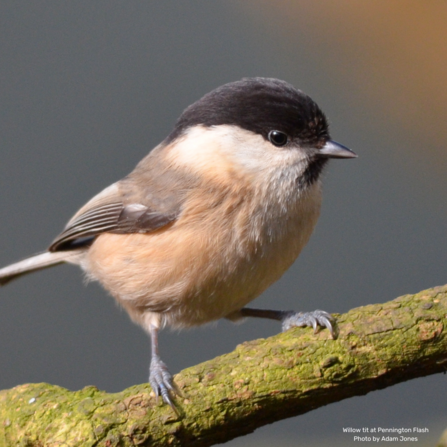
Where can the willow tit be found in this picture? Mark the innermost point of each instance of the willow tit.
(214, 215)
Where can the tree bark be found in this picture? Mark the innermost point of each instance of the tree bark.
(260, 382)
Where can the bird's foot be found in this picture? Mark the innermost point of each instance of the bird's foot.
(162, 382)
(311, 319)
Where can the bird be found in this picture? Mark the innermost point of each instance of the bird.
(209, 219)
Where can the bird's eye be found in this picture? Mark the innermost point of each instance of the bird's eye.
(277, 138)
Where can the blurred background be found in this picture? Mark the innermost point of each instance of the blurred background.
(87, 88)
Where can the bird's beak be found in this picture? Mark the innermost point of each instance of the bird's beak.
(336, 150)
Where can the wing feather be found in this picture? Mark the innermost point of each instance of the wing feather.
(107, 212)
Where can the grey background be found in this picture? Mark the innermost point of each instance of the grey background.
(87, 88)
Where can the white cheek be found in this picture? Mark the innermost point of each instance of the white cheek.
(258, 155)
(219, 150)
(199, 150)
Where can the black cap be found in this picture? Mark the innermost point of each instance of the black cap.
(259, 105)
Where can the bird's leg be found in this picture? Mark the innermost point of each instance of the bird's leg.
(290, 318)
(159, 377)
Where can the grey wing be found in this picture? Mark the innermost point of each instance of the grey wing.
(109, 212)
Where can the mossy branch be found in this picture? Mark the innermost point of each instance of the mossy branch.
(260, 382)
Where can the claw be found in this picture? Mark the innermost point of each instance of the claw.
(313, 319)
(162, 382)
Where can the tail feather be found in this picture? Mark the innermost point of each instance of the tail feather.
(36, 262)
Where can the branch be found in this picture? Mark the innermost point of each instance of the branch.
(262, 381)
